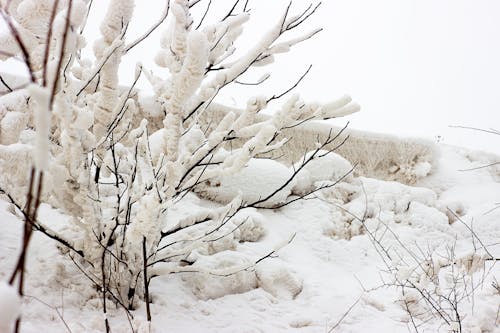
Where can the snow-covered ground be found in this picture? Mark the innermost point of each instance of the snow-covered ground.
(332, 277)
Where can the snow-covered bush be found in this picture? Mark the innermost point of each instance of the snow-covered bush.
(119, 162)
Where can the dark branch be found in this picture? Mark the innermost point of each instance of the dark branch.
(292, 87)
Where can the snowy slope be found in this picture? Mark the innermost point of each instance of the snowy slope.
(328, 279)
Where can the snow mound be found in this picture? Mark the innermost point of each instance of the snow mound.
(256, 181)
(325, 166)
(396, 196)
(247, 228)
(10, 306)
(223, 244)
(425, 216)
(382, 202)
(276, 278)
(452, 208)
(250, 226)
(222, 274)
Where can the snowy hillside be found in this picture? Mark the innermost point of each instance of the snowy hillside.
(331, 277)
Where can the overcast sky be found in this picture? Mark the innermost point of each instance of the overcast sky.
(414, 66)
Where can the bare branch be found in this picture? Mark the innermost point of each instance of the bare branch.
(231, 10)
(61, 52)
(204, 15)
(471, 230)
(47, 42)
(300, 19)
(261, 80)
(292, 87)
(146, 281)
(490, 131)
(20, 43)
(193, 3)
(151, 29)
(481, 167)
(327, 141)
(43, 229)
(5, 84)
(345, 314)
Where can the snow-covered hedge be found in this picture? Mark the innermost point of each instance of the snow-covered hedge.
(375, 155)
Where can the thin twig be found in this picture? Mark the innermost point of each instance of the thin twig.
(481, 167)
(292, 87)
(61, 53)
(345, 315)
(151, 29)
(5, 84)
(47, 42)
(204, 15)
(491, 130)
(24, 51)
(145, 276)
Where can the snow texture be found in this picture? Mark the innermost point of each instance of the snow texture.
(10, 306)
(316, 277)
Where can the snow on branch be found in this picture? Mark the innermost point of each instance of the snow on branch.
(123, 164)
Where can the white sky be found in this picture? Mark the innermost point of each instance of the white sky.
(414, 66)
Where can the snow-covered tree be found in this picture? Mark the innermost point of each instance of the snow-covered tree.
(120, 164)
